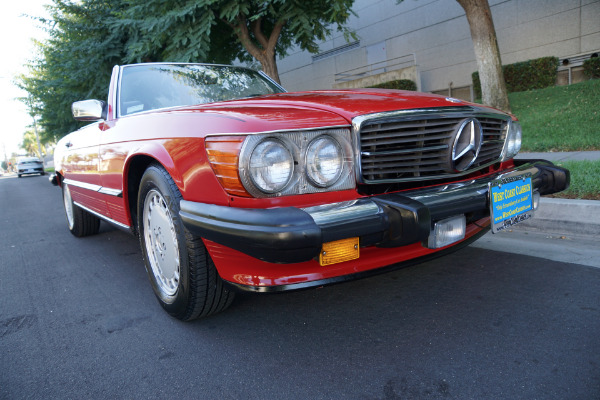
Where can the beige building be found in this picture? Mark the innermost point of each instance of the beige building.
(429, 42)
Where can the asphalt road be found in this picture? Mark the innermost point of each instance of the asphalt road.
(78, 320)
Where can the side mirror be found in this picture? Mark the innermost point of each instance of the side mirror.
(88, 110)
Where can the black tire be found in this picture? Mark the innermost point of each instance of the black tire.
(80, 222)
(183, 276)
(42, 173)
(19, 175)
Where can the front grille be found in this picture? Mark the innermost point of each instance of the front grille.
(417, 146)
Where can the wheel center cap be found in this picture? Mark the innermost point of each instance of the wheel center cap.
(159, 240)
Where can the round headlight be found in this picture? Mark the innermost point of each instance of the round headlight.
(324, 161)
(518, 137)
(271, 166)
(513, 140)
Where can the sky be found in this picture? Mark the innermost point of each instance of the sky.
(17, 32)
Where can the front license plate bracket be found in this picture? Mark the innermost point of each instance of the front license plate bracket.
(511, 201)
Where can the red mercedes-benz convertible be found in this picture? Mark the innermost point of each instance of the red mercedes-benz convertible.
(231, 183)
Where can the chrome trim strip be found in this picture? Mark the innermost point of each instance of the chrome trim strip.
(344, 211)
(453, 111)
(116, 106)
(94, 188)
(111, 192)
(104, 217)
(113, 100)
(440, 112)
(82, 185)
(319, 128)
(264, 75)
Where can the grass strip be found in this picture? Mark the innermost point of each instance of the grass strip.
(560, 118)
(585, 180)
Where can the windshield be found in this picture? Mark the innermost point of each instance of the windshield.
(153, 86)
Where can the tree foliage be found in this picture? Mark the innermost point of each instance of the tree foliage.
(29, 144)
(399, 84)
(74, 63)
(88, 37)
(223, 30)
(591, 67)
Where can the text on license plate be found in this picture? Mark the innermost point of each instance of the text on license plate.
(511, 201)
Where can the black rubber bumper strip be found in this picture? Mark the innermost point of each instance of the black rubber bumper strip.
(291, 235)
(283, 235)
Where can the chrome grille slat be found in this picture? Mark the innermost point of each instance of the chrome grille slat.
(406, 140)
(396, 133)
(395, 164)
(418, 145)
(406, 151)
(406, 126)
(414, 170)
(384, 158)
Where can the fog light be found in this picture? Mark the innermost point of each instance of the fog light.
(447, 231)
(536, 200)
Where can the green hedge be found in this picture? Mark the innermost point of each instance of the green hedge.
(526, 75)
(401, 84)
(591, 67)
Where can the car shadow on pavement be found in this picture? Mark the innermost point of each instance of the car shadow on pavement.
(473, 313)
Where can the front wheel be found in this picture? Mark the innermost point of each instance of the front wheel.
(182, 274)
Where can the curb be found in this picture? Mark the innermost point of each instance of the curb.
(565, 217)
(562, 156)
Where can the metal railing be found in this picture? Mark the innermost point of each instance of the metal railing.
(393, 64)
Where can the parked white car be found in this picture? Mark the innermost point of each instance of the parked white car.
(29, 165)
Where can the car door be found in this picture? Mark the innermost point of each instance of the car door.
(80, 167)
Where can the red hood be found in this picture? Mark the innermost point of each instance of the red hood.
(351, 103)
(310, 109)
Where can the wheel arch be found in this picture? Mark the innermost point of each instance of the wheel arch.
(59, 178)
(134, 168)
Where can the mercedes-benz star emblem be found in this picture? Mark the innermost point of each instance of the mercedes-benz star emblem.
(466, 144)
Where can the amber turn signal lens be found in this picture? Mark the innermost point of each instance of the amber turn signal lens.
(223, 154)
(339, 251)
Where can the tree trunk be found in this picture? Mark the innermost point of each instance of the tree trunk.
(493, 87)
(265, 53)
(269, 66)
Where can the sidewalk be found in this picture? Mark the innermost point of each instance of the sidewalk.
(563, 156)
(564, 216)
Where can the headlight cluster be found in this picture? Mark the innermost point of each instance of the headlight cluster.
(286, 163)
(512, 144)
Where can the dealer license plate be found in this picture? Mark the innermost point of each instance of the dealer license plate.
(511, 201)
